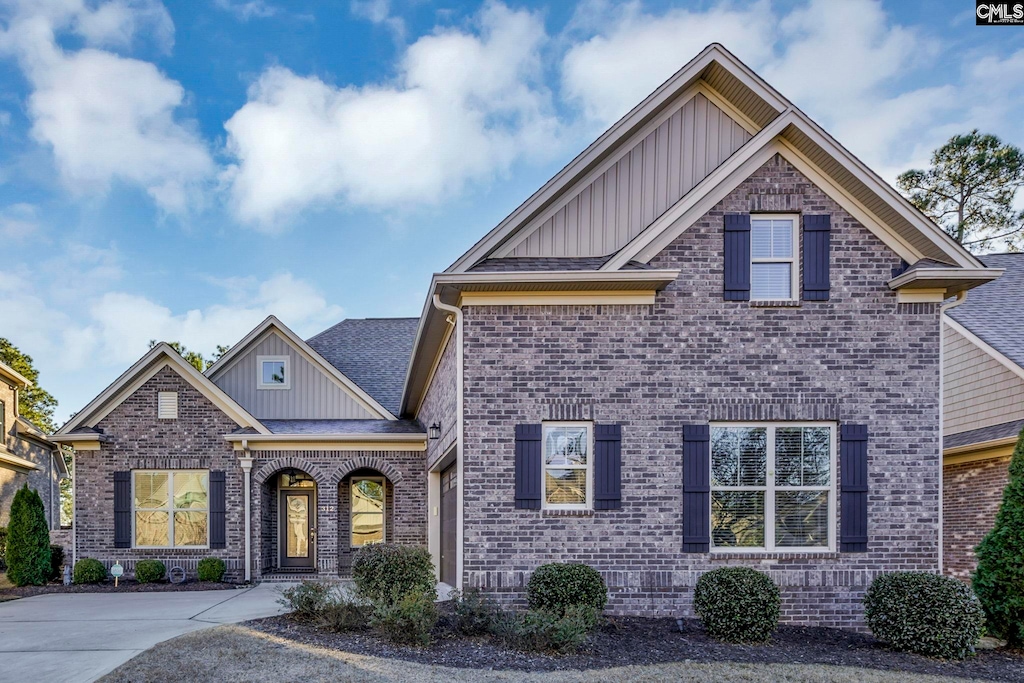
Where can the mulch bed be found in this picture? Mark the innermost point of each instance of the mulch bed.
(123, 586)
(624, 641)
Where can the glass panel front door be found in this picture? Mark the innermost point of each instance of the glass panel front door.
(297, 535)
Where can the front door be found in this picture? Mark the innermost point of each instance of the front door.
(298, 536)
(449, 523)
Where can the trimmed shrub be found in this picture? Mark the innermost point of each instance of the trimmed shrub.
(408, 620)
(386, 572)
(545, 631)
(148, 571)
(89, 570)
(555, 587)
(211, 569)
(932, 615)
(307, 600)
(999, 579)
(737, 604)
(56, 562)
(3, 547)
(473, 612)
(343, 615)
(28, 540)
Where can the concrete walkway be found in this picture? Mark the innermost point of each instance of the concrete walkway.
(78, 637)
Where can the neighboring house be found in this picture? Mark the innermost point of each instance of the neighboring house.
(712, 339)
(983, 400)
(27, 456)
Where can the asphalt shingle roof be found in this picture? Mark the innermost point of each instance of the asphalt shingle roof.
(343, 426)
(372, 352)
(995, 311)
(992, 433)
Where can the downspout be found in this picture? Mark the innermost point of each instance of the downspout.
(246, 462)
(456, 313)
(960, 298)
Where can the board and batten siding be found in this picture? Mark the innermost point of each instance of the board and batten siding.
(313, 395)
(979, 391)
(645, 181)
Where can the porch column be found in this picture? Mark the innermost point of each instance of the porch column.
(246, 464)
(326, 529)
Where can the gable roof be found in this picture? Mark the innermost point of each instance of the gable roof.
(994, 312)
(271, 325)
(373, 352)
(775, 123)
(160, 356)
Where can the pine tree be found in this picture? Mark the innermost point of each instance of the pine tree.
(28, 540)
(999, 579)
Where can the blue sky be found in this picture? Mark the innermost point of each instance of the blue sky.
(181, 170)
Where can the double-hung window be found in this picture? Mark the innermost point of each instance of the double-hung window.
(171, 508)
(773, 486)
(773, 263)
(567, 465)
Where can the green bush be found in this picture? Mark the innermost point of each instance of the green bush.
(344, 615)
(307, 600)
(211, 569)
(386, 572)
(89, 570)
(924, 613)
(555, 587)
(545, 631)
(473, 612)
(408, 620)
(56, 562)
(737, 604)
(28, 540)
(999, 579)
(3, 547)
(148, 571)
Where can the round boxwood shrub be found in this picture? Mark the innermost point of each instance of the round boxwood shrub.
(737, 604)
(147, 571)
(88, 570)
(924, 613)
(556, 587)
(386, 572)
(211, 569)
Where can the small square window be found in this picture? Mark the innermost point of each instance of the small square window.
(773, 261)
(273, 372)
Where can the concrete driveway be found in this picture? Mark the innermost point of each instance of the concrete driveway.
(81, 636)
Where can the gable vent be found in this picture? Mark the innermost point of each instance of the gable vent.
(167, 405)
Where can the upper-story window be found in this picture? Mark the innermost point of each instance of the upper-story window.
(567, 465)
(273, 372)
(773, 263)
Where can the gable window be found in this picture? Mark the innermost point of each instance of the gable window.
(773, 486)
(171, 508)
(273, 372)
(367, 511)
(773, 263)
(567, 465)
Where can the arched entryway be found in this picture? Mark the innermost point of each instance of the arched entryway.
(365, 512)
(288, 527)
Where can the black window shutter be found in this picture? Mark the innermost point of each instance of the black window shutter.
(817, 230)
(737, 257)
(853, 487)
(607, 467)
(122, 509)
(696, 488)
(218, 509)
(528, 467)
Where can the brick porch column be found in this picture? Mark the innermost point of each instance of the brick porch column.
(327, 529)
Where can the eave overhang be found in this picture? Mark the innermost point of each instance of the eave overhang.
(9, 374)
(950, 281)
(340, 442)
(12, 460)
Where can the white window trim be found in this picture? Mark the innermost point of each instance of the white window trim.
(383, 511)
(794, 260)
(769, 488)
(260, 360)
(544, 504)
(170, 509)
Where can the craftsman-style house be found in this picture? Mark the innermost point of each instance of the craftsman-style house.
(712, 339)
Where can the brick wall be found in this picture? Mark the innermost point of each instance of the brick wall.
(972, 492)
(692, 357)
(439, 404)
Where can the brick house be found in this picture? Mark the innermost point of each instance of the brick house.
(983, 407)
(712, 339)
(27, 456)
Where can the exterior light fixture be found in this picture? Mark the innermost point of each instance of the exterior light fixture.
(435, 431)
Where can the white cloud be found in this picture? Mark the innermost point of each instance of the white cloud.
(248, 9)
(464, 107)
(379, 12)
(18, 221)
(107, 118)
